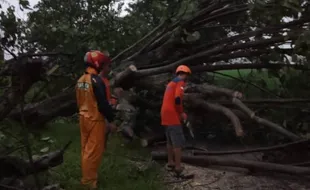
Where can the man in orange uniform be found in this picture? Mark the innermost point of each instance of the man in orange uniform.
(171, 116)
(93, 110)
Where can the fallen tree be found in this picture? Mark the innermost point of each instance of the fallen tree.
(251, 165)
(14, 169)
(181, 42)
(149, 63)
(148, 141)
(302, 144)
(13, 166)
(235, 98)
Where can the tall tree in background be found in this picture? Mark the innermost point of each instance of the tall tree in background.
(206, 35)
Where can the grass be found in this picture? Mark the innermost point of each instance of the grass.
(260, 78)
(235, 73)
(116, 171)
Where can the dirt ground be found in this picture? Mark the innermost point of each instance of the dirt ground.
(228, 178)
(234, 179)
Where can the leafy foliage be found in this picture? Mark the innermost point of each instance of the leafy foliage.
(74, 27)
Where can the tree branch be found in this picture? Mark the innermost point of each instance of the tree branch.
(251, 165)
(217, 108)
(264, 122)
(141, 40)
(291, 145)
(208, 53)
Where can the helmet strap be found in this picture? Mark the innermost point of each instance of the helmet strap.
(181, 73)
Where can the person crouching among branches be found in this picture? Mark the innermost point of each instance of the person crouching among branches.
(94, 108)
(172, 114)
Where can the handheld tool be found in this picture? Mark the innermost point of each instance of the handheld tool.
(189, 126)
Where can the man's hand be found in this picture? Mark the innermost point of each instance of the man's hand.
(112, 127)
(113, 103)
(183, 116)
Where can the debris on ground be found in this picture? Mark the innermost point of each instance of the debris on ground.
(216, 179)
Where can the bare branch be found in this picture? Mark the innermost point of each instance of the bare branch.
(218, 108)
(264, 122)
(141, 40)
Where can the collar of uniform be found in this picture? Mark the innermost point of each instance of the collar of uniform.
(90, 70)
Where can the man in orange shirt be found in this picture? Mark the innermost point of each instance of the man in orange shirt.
(172, 114)
(94, 109)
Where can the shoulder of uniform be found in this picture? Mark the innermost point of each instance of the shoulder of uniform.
(81, 78)
(95, 78)
(97, 81)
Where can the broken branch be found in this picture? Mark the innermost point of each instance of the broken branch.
(297, 144)
(263, 121)
(251, 165)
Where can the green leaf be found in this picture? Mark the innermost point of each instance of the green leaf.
(282, 79)
(293, 5)
(45, 138)
(24, 4)
(273, 73)
(263, 83)
(45, 149)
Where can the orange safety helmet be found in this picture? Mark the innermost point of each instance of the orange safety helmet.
(96, 59)
(183, 68)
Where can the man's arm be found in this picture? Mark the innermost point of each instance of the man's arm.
(179, 92)
(100, 94)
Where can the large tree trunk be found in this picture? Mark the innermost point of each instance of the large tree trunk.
(302, 144)
(12, 166)
(37, 114)
(251, 165)
(24, 73)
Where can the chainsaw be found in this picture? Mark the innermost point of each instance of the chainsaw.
(189, 126)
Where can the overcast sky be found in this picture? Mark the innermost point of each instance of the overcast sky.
(19, 13)
(23, 14)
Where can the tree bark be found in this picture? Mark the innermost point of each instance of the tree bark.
(234, 96)
(299, 144)
(150, 140)
(263, 121)
(251, 165)
(218, 108)
(12, 166)
(22, 78)
(37, 114)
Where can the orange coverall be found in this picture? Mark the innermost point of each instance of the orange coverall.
(93, 110)
(172, 106)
